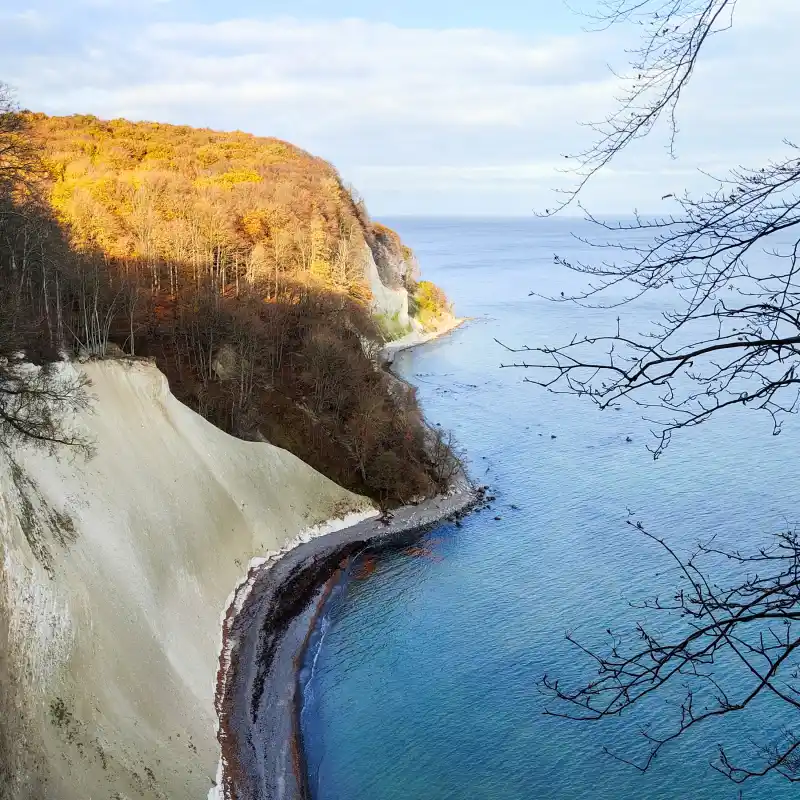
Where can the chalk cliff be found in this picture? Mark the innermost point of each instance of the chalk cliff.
(114, 574)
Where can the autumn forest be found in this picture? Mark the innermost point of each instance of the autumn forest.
(237, 264)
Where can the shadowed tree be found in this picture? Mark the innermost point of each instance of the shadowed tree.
(724, 266)
(18, 155)
(34, 400)
(236, 262)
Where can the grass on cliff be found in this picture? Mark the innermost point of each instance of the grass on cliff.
(391, 327)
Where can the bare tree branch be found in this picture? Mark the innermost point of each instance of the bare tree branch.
(36, 401)
(723, 267)
(674, 34)
(736, 646)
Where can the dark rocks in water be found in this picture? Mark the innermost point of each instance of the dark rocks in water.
(498, 519)
(491, 499)
(458, 524)
(516, 508)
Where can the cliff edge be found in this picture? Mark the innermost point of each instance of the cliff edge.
(115, 573)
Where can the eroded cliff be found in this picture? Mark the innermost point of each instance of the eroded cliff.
(115, 572)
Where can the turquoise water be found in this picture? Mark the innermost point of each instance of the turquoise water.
(425, 685)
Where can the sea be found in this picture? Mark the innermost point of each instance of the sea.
(427, 681)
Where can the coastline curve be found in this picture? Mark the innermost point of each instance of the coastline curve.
(258, 694)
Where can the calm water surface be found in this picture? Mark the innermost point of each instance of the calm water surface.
(425, 684)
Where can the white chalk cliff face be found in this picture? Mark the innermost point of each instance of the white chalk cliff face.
(388, 270)
(114, 573)
(387, 300)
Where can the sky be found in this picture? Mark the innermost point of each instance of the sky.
(446, 107)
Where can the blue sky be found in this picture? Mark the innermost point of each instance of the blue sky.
(437, 107)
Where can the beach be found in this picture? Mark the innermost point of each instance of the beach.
(416, 338)
(258, 696)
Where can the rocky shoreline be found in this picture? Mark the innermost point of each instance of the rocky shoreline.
(264, 637)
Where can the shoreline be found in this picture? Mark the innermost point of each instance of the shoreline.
(258, 685)
(415, 339)
(268, 625)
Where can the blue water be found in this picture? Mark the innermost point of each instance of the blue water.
(425, 685)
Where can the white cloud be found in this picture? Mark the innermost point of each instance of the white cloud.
(768, 14)
(334, 73)
(31, 18)
(463, 111)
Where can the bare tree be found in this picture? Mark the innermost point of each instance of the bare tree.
(35, 401)
(446, 457)
(725, 266)
(660, 69)
(735, 647)
(727, 262)
(19, 160)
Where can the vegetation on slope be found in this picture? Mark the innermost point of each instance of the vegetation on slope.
(428, 303)
(228, 206)
(236, 262)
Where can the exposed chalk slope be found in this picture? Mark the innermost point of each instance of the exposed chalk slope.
(114, 573)
(387, 301)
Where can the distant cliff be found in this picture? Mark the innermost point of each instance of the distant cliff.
(404, 304)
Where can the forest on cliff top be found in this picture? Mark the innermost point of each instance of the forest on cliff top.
(237, 263)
